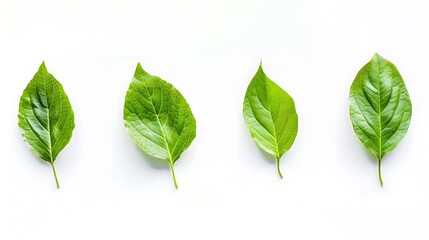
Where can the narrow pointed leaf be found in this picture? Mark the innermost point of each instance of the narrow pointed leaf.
(158, 118)
(380, 107)
(46, 118)
(270, 116)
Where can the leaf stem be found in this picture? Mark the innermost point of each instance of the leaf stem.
(55, 175)
(173, 174)
(379, 172)
(278, 167)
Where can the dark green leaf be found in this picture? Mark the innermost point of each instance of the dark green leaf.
(158, 118)
(270, 116)
(380, 108)
(45, 117)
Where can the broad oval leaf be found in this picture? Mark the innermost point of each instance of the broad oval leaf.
(270, 116)
(46, 118)
(158, 118)
(380, 107)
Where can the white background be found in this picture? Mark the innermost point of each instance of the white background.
(228, 189)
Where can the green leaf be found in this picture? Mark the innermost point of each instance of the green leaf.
(45, 117)
(380, 108)
(270, 116)
(158, 118)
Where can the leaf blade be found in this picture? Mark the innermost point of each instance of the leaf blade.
(270, 116)
(380, 107)
(158, 118)
(45, 116)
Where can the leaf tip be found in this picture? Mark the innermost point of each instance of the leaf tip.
(43, 66)
(140, 70)
(260, 69)
(377, 56)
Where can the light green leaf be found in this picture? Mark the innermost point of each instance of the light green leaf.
(270, 116)
(45, 117)
(380, 108)
(158, 118)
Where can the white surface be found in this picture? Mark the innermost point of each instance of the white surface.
(227, 188)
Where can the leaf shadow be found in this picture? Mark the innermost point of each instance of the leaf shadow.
(370, 156)
(356, 142)
(154, 162)
(264, 155)
(352, 139)
(26, 149)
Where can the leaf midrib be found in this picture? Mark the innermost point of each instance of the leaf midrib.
(380, 140)
(271, 116)
(159, 123)
(48, 117)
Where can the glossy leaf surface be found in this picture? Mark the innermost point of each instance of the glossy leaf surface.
(46, 118)
(380, 107)
(270, 116)
(158, 118)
